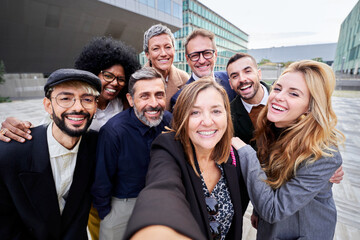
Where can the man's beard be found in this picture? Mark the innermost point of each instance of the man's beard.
(255, 86)
(60, 122)
(154, 122)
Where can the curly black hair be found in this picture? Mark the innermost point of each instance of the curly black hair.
(104, 52)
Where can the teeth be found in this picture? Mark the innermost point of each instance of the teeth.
(247, 86)
(207, 133)
(151, 112)
(110, 90)
(75, 119)
(278, 107)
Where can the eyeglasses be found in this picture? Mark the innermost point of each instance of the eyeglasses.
(212, 207)
(68, 100)
(109, 77)
(195, 56)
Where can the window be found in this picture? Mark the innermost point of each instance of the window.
(177, 11)
(164, 6)
(150, 3)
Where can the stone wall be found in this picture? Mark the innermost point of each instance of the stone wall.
(22, 86)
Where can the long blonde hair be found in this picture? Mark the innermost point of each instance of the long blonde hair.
(180, 121)
(309, 138)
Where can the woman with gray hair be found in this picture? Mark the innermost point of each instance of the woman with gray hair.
(159, 48)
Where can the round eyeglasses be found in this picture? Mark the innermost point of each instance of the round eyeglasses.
(207, 54)
(68, 100)
(109, 77)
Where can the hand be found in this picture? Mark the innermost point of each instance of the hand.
(237, 143)
(15, 129)
(254, 221)
(158, 232)
(338, 176)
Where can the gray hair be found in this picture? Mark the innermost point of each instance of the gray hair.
(145, 73)
(156, 30)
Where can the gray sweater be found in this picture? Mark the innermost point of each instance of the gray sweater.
(303, 208)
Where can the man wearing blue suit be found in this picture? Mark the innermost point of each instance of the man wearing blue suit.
(201, 54)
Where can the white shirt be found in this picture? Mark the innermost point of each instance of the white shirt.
(249, 106)
(63, 162)
(197, 78)
(102, 116)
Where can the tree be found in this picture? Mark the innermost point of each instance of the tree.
(264, 61)
(2, 71)
(2, 80)
(318, 59)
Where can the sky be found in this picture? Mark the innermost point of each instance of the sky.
(276, 23)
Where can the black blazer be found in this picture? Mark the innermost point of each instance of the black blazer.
(243, 127)
(29, 207)
(173, 195)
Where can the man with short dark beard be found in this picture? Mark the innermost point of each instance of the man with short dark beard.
(252, 95)
(45, 183)
(123, 152)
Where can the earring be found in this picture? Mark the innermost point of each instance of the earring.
(302, 116)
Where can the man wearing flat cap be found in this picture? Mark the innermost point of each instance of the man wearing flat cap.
(45, 183)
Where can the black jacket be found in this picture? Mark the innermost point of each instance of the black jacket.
(29, 206)
(173, 195)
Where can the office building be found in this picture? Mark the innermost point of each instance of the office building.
(325, 52)
(40, 36)
(347, 58)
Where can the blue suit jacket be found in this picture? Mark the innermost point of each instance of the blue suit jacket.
(220, 77)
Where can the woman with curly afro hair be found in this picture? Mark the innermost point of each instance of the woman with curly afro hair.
(113, 62)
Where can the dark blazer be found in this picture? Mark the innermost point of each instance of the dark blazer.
(243, 127)
(173, 195)
(220, 77)
(29, 206)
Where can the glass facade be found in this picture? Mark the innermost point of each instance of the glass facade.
(229, 38)
(150, 3)
(347, 58)
(165, 6)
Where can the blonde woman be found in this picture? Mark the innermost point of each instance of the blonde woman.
(298, 153)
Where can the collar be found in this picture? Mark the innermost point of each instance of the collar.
(249, 106)
(197, 78)
(55, 148)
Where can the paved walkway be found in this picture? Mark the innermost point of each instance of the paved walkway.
(346, 194)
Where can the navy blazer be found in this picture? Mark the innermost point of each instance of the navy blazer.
(220, 77)
(173, 195)
(29, 206)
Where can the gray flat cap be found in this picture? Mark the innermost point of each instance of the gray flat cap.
(68, 74)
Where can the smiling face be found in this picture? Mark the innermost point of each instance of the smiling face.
(148, 101)
(203, 67)
(161, 53)
(75, 120)
(288, 100)
(245, 80)
(109, 90)
(207, 120)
